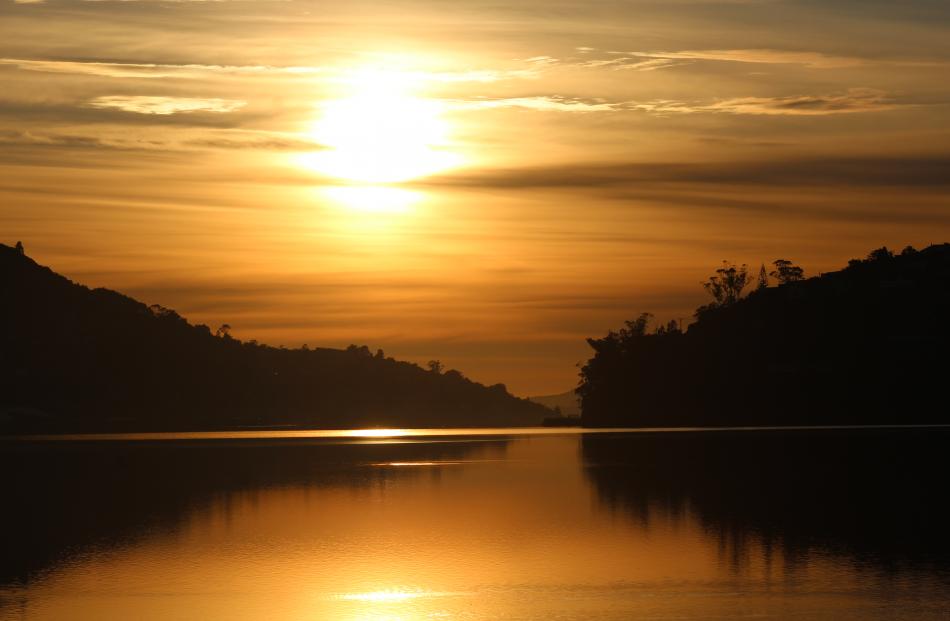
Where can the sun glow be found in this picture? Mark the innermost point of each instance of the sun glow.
(381, 131)
(372, 199)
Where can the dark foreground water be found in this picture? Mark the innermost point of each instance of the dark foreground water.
(806, 524)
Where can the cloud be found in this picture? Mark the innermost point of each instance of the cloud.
(197, 70)
(265, 143)
(814, 60)
(910, 171)
(632, 63)
(165, 105)
(855, 100)
(852, 101)
(653, 60)
(29, 138)
(149, 70)
(542, 104)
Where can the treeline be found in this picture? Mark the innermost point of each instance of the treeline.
(864, 345)
(72, 358)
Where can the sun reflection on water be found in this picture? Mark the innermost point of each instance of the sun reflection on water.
(376, 433)
(393, 604)
(388, 595)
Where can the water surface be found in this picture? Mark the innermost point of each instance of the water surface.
(498, 524)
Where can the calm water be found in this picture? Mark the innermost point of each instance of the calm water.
(552, 525)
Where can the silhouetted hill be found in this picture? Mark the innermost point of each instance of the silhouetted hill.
(867, 344)
(75, 358)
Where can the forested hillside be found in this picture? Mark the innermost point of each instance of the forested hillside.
(867, 344)
(73, 358)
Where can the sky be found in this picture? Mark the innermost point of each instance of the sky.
(484, 183)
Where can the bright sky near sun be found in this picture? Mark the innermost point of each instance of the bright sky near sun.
(480, 182)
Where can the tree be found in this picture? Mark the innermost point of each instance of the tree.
(727, 284)
(435, 366)
(636, 328)
(455, 374)
(223, 331)
(881, 254)
(19, 248)
(785, 272)
(763, 281)
(361, 351)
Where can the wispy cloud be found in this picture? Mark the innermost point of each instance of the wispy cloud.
(653, 60)
(197, 70)
(855, 100)
(148, 70)
(255, 142)
(165, 105)
(909, 171)
(635, 63)
(814, 60)
(852, 101)
(32, 138)
(542, 104)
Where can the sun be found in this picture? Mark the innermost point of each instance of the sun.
(381, 131)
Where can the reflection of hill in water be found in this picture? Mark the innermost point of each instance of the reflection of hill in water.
(61, 498)
(875, 496)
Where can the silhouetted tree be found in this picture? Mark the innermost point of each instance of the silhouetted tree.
(785, 272)
(880, 254)
(671, 327)
(162, 312)
(380, 354)
(636, 328)
(907, 251)
(19, 248)
(223, 331)
(763, 280)
(727, 284)
(435, 366)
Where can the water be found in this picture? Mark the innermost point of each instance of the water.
(536, 524)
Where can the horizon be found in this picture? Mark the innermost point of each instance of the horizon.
(481, 184)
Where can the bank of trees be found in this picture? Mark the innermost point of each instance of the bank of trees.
(95, 359)
(864, 344)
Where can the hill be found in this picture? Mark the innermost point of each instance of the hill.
(864, 345)
(75, 358)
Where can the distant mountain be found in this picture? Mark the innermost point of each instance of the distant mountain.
(73, 358)
(864, 345)
(567, 402)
